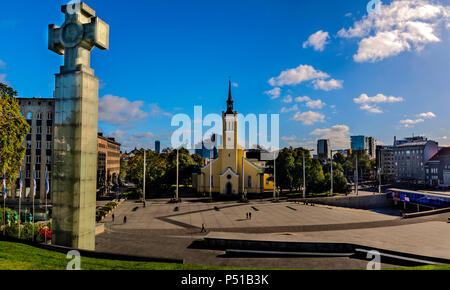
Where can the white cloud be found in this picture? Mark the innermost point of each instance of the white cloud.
(317, 40)
(273, 93)
(297, 75)
(309, 118)
(338, 135)
(409, 122)
(304, 73)
(371, 109)
(400, 26)
(156, 111)
(318, 104)
(291, 109)
(428, 115)
(380, 98)
(421, 118)
(235, 85)
(302, 99)
(287, 99)
(366, 102)
(3, 78)
(329, 85)
(291, 138)
(119, 111)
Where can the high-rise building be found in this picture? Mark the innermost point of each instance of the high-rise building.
(323, 149)
(385, 161)
(364, 143)
(158, 146)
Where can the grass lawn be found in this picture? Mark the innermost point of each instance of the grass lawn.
(16, 256)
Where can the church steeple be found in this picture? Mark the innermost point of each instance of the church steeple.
(229, 101)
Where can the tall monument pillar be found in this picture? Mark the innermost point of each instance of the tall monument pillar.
(76, 124)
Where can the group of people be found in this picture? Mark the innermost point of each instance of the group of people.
(249, 215)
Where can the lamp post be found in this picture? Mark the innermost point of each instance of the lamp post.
(143, 189)
(274, 177)
(176, 192)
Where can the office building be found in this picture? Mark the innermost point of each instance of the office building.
(385, 161)
(158, 146)
(410, 157)
(323, 149)
(364, 143)
(437, 169)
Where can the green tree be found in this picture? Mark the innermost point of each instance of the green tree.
(13, 130)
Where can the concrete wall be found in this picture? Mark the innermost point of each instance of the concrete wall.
(358, 202)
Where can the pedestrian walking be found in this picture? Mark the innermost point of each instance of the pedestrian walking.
(246, 215)
(203, 229)
(125, 219)
(250, 215)
(112, 217)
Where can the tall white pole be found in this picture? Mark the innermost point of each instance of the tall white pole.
(34, 180)
(143, 190)
(304, 176)
(177, 178)
(20, 202)
(331, 190)
(274, 177)
(46, 203)
(379, 173)
(243, 175)
(210, 175)
(357, 177)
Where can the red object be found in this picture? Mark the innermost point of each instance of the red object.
(44, 231)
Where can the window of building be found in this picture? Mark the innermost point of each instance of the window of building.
(38, 130)
(49, 130)
(249, 182)
(49, 145)
(49, 159)
(28, 144)
(38, 159)
(38, 144)
(39, 116)
(49, 116)
(28, 159)
(38, 174)
(27, 174)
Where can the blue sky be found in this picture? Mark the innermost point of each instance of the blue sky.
(339, 71)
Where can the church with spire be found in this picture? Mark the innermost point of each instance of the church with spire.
(231, 173)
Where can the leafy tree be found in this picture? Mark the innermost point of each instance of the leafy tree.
(13, 129)
(340, 183)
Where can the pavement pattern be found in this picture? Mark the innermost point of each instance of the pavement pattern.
(169, 230)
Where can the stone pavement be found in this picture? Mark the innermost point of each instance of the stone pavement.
(159, 231)
(232, 215)
(427, 239)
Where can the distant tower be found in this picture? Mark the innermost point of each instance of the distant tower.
(157, 146)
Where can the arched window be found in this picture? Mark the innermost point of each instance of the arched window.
(249, 182)
(29, 116)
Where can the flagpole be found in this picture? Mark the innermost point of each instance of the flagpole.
(4, 201)
(34, 193)
(46, 194)
(20, 197)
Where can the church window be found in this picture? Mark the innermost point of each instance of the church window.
(228, 176)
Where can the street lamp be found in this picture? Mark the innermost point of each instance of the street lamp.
(143, 189)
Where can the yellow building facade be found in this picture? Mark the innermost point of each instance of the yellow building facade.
(231, 172)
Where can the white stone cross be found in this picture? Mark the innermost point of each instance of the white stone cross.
(78, 35)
